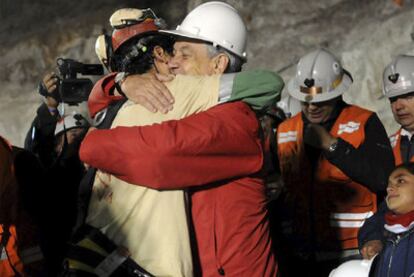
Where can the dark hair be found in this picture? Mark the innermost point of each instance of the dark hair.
(407, 166)
(135, 56)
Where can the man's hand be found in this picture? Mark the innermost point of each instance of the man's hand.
(371, 248)
(50, 82)
(149, 91)
(317, 136)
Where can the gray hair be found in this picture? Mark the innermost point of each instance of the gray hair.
(235, 62)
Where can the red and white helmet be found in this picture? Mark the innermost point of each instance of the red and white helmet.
(129, 23)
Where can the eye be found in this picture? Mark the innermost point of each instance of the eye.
(185, 55)
(400, 181)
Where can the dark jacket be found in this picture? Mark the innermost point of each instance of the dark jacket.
(41, 136)
(397, 258)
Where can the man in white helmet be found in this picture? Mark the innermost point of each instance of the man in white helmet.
(216, 153)
(334, 158)
(398, 87)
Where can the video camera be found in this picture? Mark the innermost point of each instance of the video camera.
(73, 90)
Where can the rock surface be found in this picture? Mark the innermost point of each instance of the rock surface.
(365, 34)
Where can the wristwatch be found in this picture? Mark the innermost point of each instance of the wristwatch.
(333, 147)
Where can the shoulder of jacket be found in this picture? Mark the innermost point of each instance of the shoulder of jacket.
(358, 111)
(290, 122)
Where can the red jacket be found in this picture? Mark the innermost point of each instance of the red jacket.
(19, 253)
(220, 145)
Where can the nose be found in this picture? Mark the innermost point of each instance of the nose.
(399, 104)
(390, 188)
(312, 107)
(174, 62)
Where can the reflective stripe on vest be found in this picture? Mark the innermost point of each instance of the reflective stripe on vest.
(349, 220)
(3, 255)
(287, 137)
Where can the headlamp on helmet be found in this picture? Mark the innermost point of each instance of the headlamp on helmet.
(398, 77)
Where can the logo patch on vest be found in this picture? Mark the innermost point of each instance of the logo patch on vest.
(348, 127)
(286, 137)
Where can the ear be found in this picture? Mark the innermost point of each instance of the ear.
(160, 55)
(220, 63)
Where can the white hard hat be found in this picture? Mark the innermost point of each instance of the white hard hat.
(319, 77)
(126, 16)
(218, 23)
(398, 76)
(289, 105)
(101, 50)
(353, 268)
(70, 122)
(131, 23)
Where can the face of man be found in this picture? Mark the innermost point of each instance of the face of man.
(191, 58)
(318, 113)
(403, 110)
(400, 191)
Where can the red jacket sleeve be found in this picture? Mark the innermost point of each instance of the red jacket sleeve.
(214, 145)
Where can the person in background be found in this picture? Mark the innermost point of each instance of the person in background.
(398, 87)
(396, 257)
(40, 137)
(20, 253)
(335, 159)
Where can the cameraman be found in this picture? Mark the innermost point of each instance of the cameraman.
(55, 142)
(40, 137)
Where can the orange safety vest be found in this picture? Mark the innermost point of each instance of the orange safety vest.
(10, 262)
(395, 141)
(326, 199)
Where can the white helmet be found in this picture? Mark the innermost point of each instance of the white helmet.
(289, 105)
(218, 23)
(319, 77)
(353, 268)
(101, 50)
(398, 76)
(70, 122)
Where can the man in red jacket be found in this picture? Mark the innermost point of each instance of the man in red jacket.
(217, 154)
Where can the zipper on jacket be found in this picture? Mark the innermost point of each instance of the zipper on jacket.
(394, 244)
